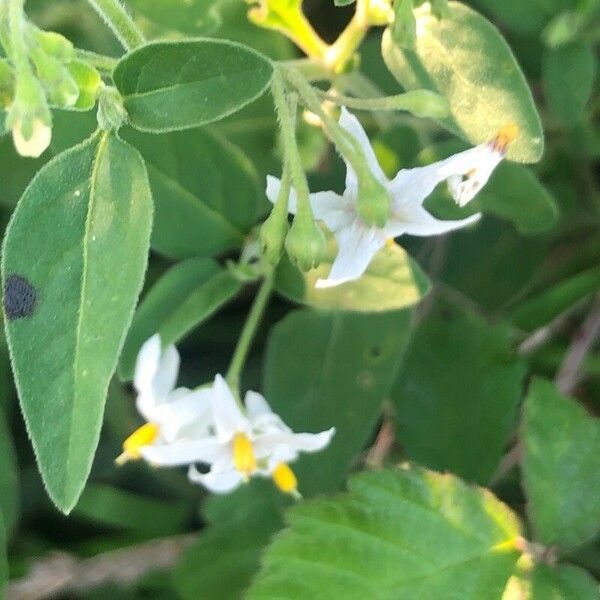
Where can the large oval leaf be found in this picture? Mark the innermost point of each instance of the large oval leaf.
(181, 299)
(205, 190)
(177, 85)
(73, 263)
(392, 281)
(464, 57)
(399, 534)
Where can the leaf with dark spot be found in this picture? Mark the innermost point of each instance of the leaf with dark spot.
(20, 297)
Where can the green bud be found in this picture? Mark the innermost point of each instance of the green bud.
(272, 235)
(374, 202)
(424, 103)
(88, 81)
(7, 83)
(54, 44)
(61, 87)
(305, 243)
(111, 112)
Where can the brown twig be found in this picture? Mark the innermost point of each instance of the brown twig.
(61, 573)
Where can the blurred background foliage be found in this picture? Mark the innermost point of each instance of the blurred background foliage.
(452, 383)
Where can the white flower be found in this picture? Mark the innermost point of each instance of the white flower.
(251, 441)
(36, 143)
(178, 420)
(466, 173)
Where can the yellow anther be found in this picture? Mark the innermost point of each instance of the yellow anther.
(141, 437)
(390, 243)
(244, 459)
(285, 480)
(508, 134)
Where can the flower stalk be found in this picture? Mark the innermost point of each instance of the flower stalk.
(117, 18)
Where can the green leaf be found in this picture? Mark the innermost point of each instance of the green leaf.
(3, 559)
(403, 533)
(522, 17)
(227, 553)
(206, 192)
(464, 58)
(392, 281)
(513, 193)
(457, 394)
(550, 303)
(9, 470)
(560, 467)
(185, 296)
(168, 86)
(333, 369)
(187, 16)
(111, 507)
(568, 77)
(74, 259)
(563, 582)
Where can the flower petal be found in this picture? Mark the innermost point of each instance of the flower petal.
(474, 165)
(227, 413)
(256, 405)
(183, 452)
(146, 364)
(417, 221)
(219, 483)
(334, 210)
(293, 443)
(352, 125)
(166, 376)
(183, 412)
(357, 245)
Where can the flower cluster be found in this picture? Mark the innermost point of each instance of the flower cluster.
(465, 173)
(210, 427)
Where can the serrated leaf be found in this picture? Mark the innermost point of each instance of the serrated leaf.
(205, 190)
(404, 533)
(464, 58)
(547, 305)
(513, 193)
(185, 296)
(457, 408)
(74, 259)
(393, 281)
(333, 369)
(167, 86)
(9, 470)
(187, 16)
(560, 467)
(226, 555)
(568, 77)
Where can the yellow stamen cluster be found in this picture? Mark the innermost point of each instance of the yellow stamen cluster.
(144, 436)
(244, 458)
(508, 134)
(285, 479)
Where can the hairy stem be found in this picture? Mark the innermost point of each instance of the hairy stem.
(116, 17)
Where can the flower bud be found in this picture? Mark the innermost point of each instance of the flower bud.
(62, 89)
(305, 243)
(89, 83)
(373, 202)
(54, 44)
(29, 116)
(111, 112)
(7, 83)
(273, 233)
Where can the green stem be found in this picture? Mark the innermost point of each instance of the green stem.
(248, 332)
(292, 155)
(343, 49)
(345, 143)
(18, 46)
(116, 17)
(105, 64)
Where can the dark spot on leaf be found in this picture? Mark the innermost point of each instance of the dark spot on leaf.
(447, 314)
(20, 297)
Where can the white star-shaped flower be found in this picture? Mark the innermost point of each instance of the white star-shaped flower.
(177, 419)
(251, 441)
(466, 173)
